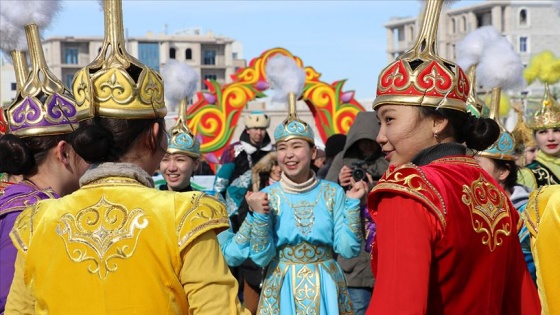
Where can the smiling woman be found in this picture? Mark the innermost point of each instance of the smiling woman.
(443, 224)
(300, 222)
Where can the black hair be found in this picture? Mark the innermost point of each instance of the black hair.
(511, 179)
(108, 139)
(22, 156)
(476, 133)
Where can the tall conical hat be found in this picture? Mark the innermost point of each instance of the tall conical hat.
(420, 77)
(288, 79)
(115, 84)
(180, 84)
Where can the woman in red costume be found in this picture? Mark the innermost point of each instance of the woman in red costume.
(446, 238)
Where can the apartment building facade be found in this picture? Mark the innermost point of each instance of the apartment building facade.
(531, 26)
(215, 57)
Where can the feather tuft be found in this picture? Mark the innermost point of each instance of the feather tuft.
(13, 36)
(500, 66)
(39, 12)
(285, 77)
(469, 49)
(180, 81)
(545, 67)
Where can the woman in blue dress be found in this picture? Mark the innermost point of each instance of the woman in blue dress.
(298, 225)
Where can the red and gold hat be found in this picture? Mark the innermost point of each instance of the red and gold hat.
(420, 77)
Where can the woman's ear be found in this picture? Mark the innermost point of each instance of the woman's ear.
(440, 125)
(313, 152)
(504, 173)
(63, 152)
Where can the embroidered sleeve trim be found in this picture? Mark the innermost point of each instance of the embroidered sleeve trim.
(409, 180)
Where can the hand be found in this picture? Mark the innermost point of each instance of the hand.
(358, 191)
(258, 202)
(345, 176)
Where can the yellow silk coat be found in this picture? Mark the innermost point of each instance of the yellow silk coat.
(118, 247)
(542, 218)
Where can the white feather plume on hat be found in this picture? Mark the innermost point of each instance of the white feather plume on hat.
(180, 81)
(500, 66)
(285, 77)
(14, 15)
(469, 49)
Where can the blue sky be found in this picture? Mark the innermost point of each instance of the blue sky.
(340, 39)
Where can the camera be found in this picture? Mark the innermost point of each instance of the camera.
(359, 171)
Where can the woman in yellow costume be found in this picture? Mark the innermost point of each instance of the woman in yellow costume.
(117, 245)
(545, 169)
(542, 215)
(542, 218)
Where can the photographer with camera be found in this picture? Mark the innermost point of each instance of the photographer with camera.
(361, 159)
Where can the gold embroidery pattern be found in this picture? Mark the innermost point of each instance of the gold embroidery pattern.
(200, 216)
(330, 196)
(414, 183)
(489, 214)
(259, 235)
(304, 263)
(307, 286)
(304, 253)
(543, 176)
(100, 234)
(242, 236)
(269, 302)
(304, 213)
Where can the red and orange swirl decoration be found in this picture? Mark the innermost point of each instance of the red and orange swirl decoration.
(214, 116)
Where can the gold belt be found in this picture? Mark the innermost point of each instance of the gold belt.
(304, 253)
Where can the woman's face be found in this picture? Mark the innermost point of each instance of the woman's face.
(294, 158)
(548, 141)
(404, 133)
(177, 169)
(275, 172)
(530, 154)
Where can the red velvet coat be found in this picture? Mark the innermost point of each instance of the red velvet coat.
(447, 243)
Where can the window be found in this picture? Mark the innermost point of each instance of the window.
(400, 34)
(71, 56)
(148, 53)
(463, 24)
(209, 57)
(522, 44)
(188, 54)
(523, 17)
(68, 80)
(234, 55)
(171, 53)
(13, 86)
(210, 77)
(453, 26)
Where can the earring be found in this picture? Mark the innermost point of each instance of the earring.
(436, 135)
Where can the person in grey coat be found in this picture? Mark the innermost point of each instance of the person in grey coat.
(361, 155)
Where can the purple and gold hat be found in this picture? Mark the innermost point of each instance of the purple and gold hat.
(43, 105)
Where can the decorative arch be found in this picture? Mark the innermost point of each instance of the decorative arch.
(214, 116)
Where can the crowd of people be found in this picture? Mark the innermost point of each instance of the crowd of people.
(426, 206)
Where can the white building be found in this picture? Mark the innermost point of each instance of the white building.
(215, 57)
(531, 26)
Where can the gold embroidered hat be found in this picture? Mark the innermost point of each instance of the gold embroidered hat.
(544, 67)
(115, 84)
(180, 84)
(420, 77)
(505, 148)
(43, 105)
(522, 133)
(548, 115)
(288, 79)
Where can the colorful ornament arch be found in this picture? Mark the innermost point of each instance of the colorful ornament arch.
(214, 116)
